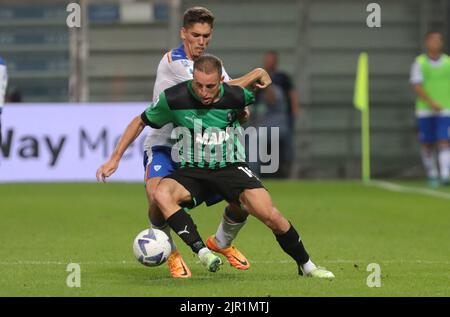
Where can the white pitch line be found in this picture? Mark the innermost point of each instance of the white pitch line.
(405, 189)
(343, 261)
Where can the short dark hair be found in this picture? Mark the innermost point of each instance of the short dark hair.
(271, 52)
(198, 15)
(433, 31)
(208, 64)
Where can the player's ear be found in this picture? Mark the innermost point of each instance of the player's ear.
(183, 33)
(222, 79)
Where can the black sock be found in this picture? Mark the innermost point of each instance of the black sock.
(185, 228)
(235, 218)
(291, 244)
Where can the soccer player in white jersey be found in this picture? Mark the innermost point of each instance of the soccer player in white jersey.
(430, 77)
(175, 67)
(3, 84)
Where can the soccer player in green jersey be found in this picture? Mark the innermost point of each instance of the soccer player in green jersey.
(175, 67)
(206, 163)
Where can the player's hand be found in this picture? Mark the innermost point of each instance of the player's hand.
(257, 86)
(436, 106)
(106, 170)
(262, 84)
(264, 80)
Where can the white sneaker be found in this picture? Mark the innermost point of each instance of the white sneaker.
(319, 272)
(211, 261)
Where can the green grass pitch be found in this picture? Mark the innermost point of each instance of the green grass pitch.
(345, 226)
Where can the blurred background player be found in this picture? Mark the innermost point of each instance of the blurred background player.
(280, 101)
(430, 77)
(271, 113)
(177, 66)
(3, 85)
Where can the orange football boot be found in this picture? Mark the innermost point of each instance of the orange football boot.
(177, 266)
(233, 255)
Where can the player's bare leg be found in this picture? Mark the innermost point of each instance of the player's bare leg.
(233, 220)
(169, 195)
(177, 267)
(259, 204)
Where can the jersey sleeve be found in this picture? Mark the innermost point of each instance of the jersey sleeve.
(158, 114)
(170, 73)
(249, 97)
(180, 71)
(416, 75)
(225, 75)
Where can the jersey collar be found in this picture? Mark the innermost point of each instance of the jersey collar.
(437, 61)
(178, 53)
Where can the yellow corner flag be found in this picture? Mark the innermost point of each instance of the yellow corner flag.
(361, 96)
(361, 102)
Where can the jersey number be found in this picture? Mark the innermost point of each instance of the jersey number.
(246, 170)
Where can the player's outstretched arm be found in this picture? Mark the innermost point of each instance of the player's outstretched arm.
(131, 133)
(257, 78)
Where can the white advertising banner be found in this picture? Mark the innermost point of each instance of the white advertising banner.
(67, 142)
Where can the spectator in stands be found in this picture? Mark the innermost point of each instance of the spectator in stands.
(281, 103)
(271, 112)
(430, 78)
(3, 84)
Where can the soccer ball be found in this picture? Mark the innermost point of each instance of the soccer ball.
(152, 247)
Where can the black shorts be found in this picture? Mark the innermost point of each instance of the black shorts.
(229, 182)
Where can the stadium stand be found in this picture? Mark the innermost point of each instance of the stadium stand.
(318, 42)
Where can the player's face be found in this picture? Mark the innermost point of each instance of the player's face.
(207, 86)
(196, 39)
(434, 43)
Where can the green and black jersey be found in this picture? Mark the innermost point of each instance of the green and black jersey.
(207, 136)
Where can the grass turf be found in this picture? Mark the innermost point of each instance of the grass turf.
(344, 225)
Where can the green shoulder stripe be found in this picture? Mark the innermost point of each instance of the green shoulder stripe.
(159, 113)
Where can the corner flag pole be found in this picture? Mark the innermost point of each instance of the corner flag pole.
(361, 102)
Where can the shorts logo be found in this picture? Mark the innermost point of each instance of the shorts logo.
(157, 167)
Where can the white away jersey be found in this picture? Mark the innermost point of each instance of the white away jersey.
(173, 69)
